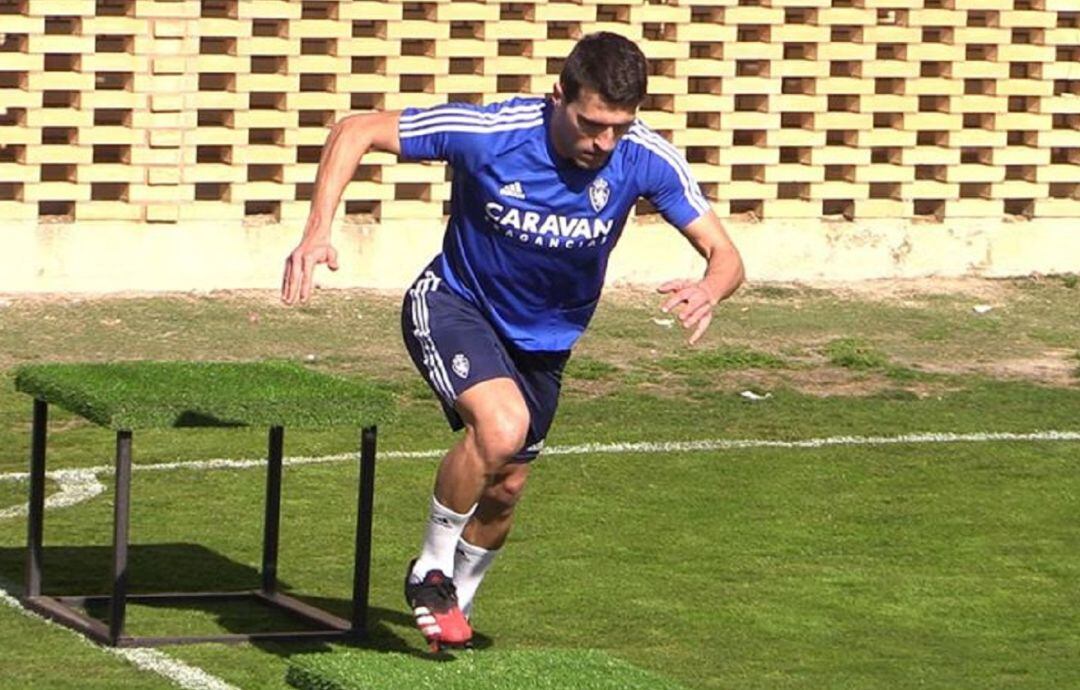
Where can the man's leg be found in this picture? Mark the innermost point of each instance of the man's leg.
(495, 512)
(496, 424)
(539, 375)
(487, 531)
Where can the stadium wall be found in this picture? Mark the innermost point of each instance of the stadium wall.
(172, 144)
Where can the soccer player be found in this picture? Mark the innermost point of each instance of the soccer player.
(541, 190)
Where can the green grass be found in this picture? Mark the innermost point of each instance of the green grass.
(1053, 337)
(589, 369)
(783, 292)
(38, 655)
(147, 394)
(939, 565)
(12, 492)
(853, 353)
(721, 359)
(902, 566)
(624, 415)
(498, 670)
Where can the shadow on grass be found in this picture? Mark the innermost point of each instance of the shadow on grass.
(195, 418)
(182, 567)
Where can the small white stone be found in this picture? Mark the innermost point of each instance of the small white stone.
(754, 397)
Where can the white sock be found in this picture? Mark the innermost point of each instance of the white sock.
(471, 563)
(444, 528)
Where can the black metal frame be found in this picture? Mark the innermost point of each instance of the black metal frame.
(65, 609)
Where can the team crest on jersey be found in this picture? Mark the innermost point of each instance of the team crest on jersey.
(460, 364)
(599, 191)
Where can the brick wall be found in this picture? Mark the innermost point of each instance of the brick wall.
(175, 110)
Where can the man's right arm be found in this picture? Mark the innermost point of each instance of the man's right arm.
(349, 139)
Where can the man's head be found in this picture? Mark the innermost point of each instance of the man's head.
(596, 99)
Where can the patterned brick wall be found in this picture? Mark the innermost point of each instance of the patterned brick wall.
(173, 110)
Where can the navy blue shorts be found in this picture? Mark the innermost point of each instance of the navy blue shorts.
(455, 347)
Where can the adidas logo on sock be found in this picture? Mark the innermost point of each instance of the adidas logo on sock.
(513, 190)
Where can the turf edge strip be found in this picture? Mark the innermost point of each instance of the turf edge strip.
(589, 448)
(153, 660)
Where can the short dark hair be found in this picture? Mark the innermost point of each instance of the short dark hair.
(609, 64)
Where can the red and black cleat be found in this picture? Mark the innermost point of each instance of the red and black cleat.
(435, 606)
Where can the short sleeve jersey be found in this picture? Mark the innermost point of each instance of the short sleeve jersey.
(530, 233)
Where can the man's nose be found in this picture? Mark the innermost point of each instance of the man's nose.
(605, 142)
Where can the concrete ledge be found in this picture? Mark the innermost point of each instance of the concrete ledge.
(97, 257)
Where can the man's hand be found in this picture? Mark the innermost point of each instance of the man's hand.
(349, 139)
(692, 303)
(300, 269)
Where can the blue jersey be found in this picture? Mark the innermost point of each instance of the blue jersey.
(530, 233)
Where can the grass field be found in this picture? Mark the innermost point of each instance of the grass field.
(924, 564)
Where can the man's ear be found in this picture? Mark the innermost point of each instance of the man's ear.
(557, 93)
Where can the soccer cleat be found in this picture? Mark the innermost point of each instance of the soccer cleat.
(435, 606)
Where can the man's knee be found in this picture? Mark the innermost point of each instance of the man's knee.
(500, 434)
(500, 497)
(506, 490)
(496, 418)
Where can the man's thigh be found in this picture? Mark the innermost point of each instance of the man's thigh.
(456, 348)
(494, 401)
(539, 377)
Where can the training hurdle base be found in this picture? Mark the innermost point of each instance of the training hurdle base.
(69, 610)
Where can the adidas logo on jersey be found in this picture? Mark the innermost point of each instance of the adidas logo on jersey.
(513, 190)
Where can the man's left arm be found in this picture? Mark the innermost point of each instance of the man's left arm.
(693, 301)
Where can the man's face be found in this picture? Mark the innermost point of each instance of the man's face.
(587, 129)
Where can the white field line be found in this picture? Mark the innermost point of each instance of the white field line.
(78, 485)
(181, 674)
(176, 671)
(73, 477)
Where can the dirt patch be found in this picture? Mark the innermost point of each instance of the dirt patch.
(254, 295)
(590, 388)
(354, 331)
(1055, 367)
(827, 382)
(907, 291)
(819, 381)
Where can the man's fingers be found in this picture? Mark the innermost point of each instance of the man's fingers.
(691, 302)
(695, 299)
(295, 274)
(700, 330)
(692, 315)
(308, 275)
(673, 301)
(690, 294)
(673, 285)
(285, 276)
(296, 282)
(298, 272)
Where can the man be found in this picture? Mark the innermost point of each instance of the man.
(541, 191)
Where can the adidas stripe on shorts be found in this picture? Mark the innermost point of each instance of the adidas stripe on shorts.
(454, 347)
